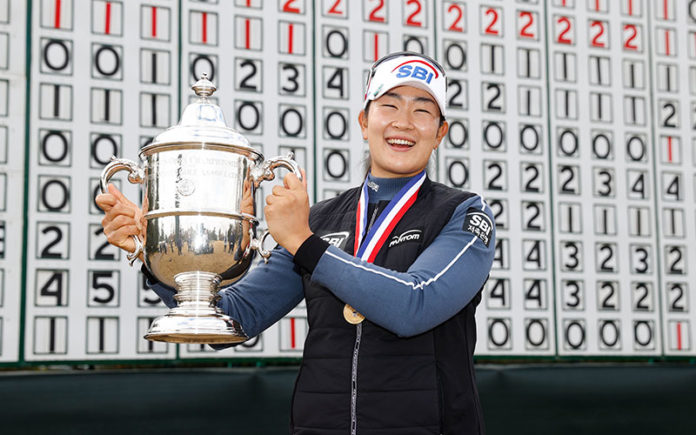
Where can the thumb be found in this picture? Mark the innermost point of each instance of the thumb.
(292, 182)
(304, 178)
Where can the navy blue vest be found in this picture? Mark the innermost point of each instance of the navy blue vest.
(368, 380)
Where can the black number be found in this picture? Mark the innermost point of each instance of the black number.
(534, 254)
(110, 292)
(643, 260)
(575, 294)
(605, 266)
(455, 56)
(57, 292)
(641, 303)
(63, 143)
(566, 185)
(492, 106)
(245, 80)
(677, 302)
(529, 138)
(451, 170)
(452, 100)
(673, 188)
(528, 187)
(492, 182)
(533, 293)
(668, 121)
(498, 291)
(573, 255)
(607, 302)
(638, 186)
(635, 148)
(451, 134)
(256, 116)
(601, 152)
(568, 149)
(675, 267)
(46, 251)
(605, 183)
(292, 79)
(531, 223)
(336, 81)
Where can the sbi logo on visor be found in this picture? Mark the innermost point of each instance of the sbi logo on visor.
(408, 69)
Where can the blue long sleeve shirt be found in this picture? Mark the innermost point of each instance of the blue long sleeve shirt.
(442, 280)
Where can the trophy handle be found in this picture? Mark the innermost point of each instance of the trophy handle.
(257, 244)
(136, 176)
(265, 171)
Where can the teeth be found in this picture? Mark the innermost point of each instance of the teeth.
(400, 142)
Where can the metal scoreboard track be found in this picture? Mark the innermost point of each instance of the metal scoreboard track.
(573, 118)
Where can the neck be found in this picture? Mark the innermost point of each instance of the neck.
(384, 189)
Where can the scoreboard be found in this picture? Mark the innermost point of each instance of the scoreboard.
(575, 119)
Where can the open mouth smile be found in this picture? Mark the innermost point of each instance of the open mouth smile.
(400, 143)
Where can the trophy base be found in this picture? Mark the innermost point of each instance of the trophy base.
(213, 329)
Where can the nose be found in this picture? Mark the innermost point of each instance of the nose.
(402, 120)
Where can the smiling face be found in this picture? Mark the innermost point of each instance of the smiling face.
(403, 130)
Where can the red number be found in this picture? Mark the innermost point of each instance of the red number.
(524, 32)
(456, 25)
(373, 14)
(334, 8)
(562, 39)
(411, 21)
(490, 30)
(630, 44)
(287, 7)
(595, 41)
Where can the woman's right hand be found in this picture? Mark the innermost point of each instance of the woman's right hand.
(123, 219)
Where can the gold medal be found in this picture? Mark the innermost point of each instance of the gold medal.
(352, 316)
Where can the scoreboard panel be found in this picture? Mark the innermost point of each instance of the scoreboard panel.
(13, 84)
(573, 118)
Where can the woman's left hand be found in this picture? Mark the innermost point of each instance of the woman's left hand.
(287, 212)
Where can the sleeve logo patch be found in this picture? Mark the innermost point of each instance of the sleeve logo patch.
(479, 224)
(336, 239)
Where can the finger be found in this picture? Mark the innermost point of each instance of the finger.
(278, 190)
(119, 196)
(120, 210)
(118, 223)
(123, 237)
(105, 201)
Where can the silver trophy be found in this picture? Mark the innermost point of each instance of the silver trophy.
(200, 178)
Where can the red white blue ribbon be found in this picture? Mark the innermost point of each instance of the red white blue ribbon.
(367, 247)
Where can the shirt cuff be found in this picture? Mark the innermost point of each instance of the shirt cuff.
(309, 253)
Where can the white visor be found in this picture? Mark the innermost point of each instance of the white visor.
(407, 70)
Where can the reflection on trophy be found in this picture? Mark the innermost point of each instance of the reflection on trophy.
(200, 178)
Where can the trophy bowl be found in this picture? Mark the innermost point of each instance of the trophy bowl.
(200, 179)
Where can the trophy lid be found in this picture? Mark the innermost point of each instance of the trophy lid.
(202, 125)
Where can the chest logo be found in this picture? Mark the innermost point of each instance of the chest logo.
(407, 236)
(336, 239)
(479, 224)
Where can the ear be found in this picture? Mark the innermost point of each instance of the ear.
(362, 120)
(441, 132)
